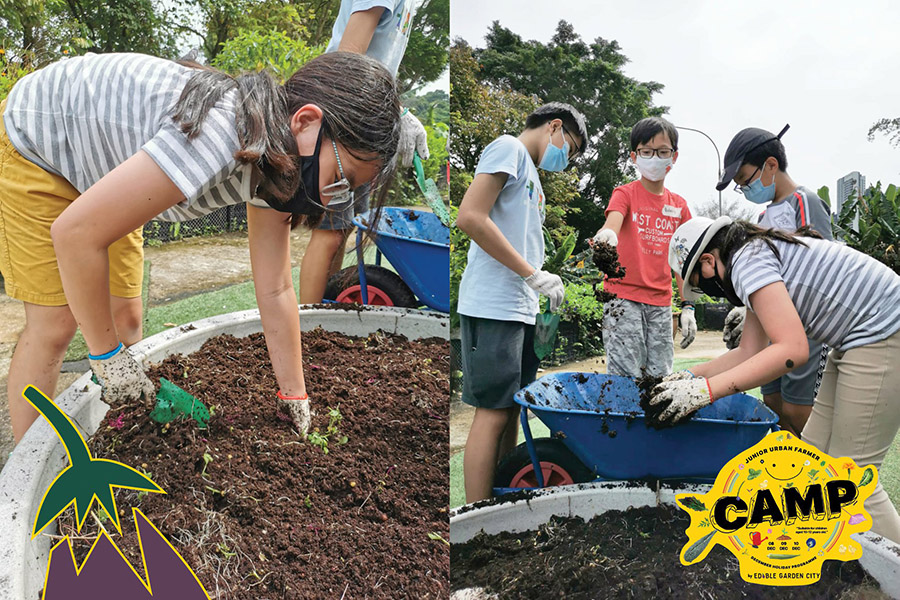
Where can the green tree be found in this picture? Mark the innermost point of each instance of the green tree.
(434, 106)
(589, 76)
(887, 127)
(275, 51)
(426, 53)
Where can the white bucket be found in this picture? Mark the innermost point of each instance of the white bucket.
(39, 457)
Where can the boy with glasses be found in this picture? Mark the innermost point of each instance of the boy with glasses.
(756, 161)
(502, 212)
(640, 219)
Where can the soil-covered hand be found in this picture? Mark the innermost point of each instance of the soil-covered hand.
(688, 323)
(413, 138)
(549, 285)
(681, 398)
(122, 378)
(734, 327)
(296, 410)
(678, 376)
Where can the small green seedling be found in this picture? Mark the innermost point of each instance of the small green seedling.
(316, 438)
(207, 458)
(307, 502)
(434, 535)
(225, 550)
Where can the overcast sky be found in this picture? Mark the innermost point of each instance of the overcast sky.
(829, 68)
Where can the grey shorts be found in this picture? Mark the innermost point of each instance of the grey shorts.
(343, 220)
(637, 337)
(498, 360)
(801, 385)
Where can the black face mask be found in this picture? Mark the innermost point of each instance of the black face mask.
(718, 288)
(306, 199)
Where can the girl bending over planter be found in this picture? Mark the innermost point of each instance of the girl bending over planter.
(794, 287)
(91, 148)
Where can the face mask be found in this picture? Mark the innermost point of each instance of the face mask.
(758, 193)
(718, 288)
(555, 159)
(653, 168)
(306, 199)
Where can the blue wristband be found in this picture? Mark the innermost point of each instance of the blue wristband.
(689, 372)
(109, 354)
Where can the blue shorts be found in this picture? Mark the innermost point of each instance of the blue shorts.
(801, 385)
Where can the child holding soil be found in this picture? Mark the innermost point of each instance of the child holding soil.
(640, 219)
(93, 147)
(797, 287)
(757, 163)
(380, 29)
(502, 211)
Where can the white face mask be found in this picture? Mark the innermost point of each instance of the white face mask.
(653, 168)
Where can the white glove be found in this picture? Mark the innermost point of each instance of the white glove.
(734, 327)
(688, 323)
(294, 409)
(549, 285)
(413, 138)
(607, 236)
(678, 376)
(122, 378)
(684, 397)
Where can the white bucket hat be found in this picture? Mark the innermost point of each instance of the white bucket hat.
(687, 244)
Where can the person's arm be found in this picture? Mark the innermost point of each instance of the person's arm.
(120, 202)
(775, 318)
(475, 221)
(359, 31)
(614, 220)
(270, 259)
(755, 341)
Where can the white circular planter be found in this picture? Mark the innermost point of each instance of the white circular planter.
(880, 557)
(39, 457)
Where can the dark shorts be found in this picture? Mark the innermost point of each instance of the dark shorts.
(343, 220)
(801, 385)
(498, 360)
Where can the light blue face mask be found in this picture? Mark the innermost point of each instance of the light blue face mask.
(555, 159)
(757, 193)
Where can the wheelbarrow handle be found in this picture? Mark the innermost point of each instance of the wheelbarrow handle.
(529, 443)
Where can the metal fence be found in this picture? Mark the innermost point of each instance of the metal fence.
(227, 219)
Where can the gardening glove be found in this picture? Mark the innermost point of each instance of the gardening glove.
(607, 236)
(678, 376)
(549, 285)
(734, 327)
(683, 398)
(121, 377)
(294, 409)
(688, 323)
(412, 139)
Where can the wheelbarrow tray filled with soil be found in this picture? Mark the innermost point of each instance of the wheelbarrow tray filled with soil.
(598, 417)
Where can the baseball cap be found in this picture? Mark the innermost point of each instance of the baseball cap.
(742, 144)
(687, 244)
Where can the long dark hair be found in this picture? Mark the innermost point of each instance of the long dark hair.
(359, 102)
(732, 238)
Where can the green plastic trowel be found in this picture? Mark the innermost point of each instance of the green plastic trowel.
(545, 328)
(429, 188)
(172, 402)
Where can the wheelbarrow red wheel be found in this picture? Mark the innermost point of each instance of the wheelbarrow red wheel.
(385, 288)
(558, 465)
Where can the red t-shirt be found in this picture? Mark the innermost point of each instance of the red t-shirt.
(650, 221)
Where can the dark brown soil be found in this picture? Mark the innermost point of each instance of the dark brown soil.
(630, 554)
(603, 296)
(646, 383)
(274, 516)
(606, 259)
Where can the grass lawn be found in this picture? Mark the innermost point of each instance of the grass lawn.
(889, 472)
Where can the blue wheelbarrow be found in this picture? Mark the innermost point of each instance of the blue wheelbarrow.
(417, 245)
(598, 431)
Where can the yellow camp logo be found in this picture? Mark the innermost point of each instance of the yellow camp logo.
(782, 507)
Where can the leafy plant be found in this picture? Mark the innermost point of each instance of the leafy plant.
(273, 50)
(870, 223)
(316, 438)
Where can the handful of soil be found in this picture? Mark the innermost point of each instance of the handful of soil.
(646, 383)
(606, 259)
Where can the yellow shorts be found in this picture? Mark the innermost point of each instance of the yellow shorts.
(30, 201)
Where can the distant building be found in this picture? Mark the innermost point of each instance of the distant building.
(849, 186)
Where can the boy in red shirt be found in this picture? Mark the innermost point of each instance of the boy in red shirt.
(640, 219)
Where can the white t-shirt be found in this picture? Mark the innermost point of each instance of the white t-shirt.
(488, 289)
(82, 117)
(391, 35)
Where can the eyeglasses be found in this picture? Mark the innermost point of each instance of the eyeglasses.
(577, 152)
(339, 193)
(660, 152)
(740, 188)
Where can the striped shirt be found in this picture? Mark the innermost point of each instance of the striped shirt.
(81, 117)
(845, 298)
